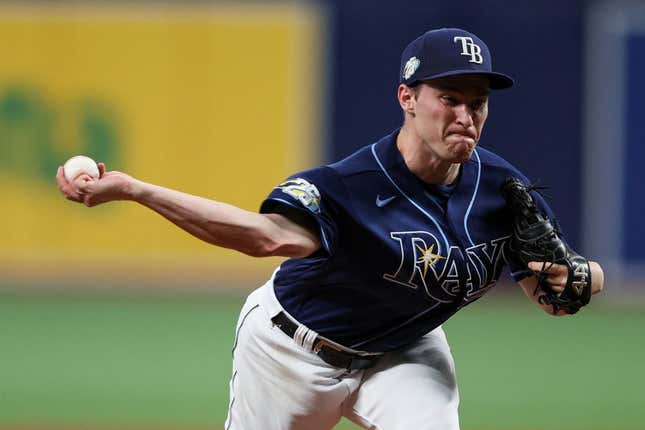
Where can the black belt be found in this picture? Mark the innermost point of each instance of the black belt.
(329, 352)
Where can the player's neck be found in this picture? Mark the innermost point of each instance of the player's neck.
(426, 165)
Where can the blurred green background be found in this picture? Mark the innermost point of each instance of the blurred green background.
(73, 359)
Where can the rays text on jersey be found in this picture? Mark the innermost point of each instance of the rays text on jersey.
(446, 275)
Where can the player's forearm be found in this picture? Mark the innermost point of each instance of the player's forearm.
(217, 223)
(597, 277)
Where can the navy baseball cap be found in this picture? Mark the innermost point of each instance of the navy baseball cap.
(448, 52)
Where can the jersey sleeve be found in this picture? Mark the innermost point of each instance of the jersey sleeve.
(308, 195)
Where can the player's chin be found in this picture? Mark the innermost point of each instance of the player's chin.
(462, 151)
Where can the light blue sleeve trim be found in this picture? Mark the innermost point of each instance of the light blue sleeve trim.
(415, 204)
(323, 236)
(470, 206)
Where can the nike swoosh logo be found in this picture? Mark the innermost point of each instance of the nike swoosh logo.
(382, 202)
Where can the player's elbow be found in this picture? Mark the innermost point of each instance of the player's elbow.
(279, 246)
(276, 238)
(259, 247)
(285, 248)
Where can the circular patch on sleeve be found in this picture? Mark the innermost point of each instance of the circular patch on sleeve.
(305, 192)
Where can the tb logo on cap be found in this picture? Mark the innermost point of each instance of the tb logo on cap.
(470, 48)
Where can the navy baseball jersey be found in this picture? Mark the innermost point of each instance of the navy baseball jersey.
(399, 256)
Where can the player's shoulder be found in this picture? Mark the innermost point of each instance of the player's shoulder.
(359, 162)
(491, 159)
(364, 160)
(494, 163)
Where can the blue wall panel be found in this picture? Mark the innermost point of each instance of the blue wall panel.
(634, 195)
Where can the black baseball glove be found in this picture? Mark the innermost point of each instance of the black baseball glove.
(535, 238)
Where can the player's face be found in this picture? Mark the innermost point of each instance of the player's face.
(449, 115)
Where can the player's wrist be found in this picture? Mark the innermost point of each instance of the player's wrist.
(135, 190)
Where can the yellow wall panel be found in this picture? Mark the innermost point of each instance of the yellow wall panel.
(218, 101)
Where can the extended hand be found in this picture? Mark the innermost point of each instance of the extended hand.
(90, 191)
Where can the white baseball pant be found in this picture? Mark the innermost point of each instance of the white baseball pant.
(279, 384)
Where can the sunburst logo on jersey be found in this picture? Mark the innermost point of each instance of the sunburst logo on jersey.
(428, 258)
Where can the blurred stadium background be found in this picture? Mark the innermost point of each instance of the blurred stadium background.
(111, 318)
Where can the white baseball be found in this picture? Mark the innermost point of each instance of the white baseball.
(80, 164)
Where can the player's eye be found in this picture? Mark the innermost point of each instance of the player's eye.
(449, 100)
(478, 105)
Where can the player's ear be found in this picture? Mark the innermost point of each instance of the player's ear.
(407, 98)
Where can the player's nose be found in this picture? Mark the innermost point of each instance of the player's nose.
(464, 115)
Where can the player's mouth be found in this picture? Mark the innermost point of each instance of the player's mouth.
(467, 138)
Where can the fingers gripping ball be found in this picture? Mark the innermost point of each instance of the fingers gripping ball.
(80, 164)
(535, 238)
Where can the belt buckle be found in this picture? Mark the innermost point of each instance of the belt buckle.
(322, 343)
